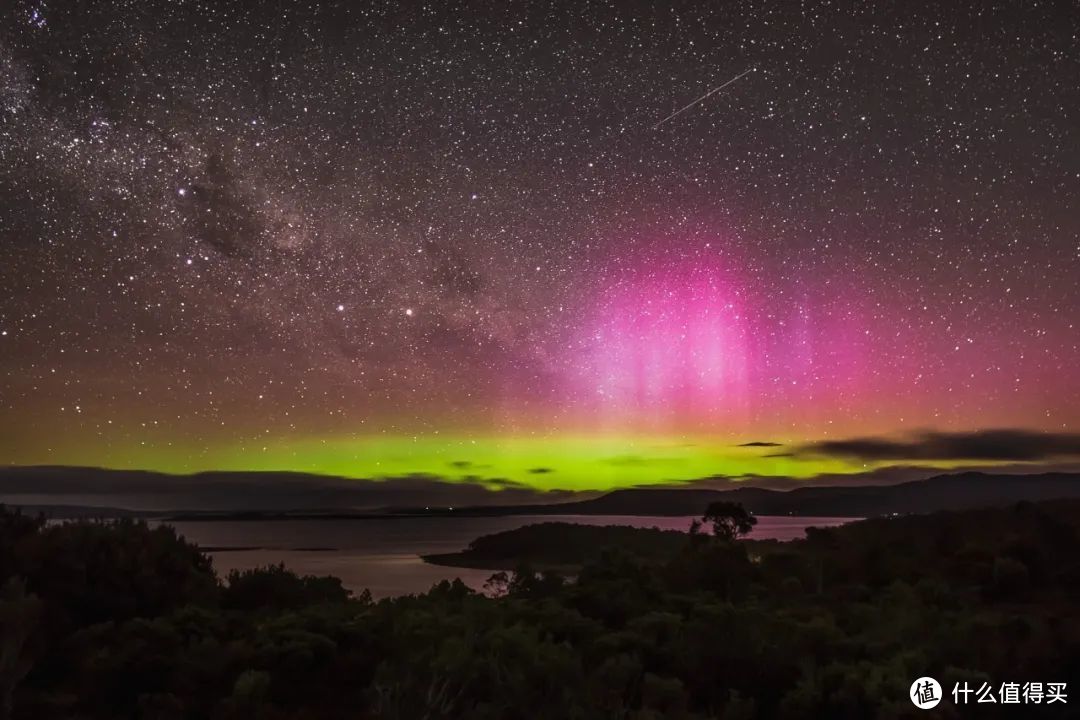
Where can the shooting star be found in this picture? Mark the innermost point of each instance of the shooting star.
(712, 92)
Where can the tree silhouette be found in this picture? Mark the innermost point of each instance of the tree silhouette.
(655, 625)
(19, 616)
(729, 520)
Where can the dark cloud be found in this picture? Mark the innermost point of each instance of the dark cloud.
(760, 444)
(1003, 445)
(501, 482)
(540, 470)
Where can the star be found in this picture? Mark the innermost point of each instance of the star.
(800, 253)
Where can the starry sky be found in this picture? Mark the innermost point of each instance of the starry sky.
(480, 241)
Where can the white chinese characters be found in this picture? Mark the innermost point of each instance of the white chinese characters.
(1011, 693)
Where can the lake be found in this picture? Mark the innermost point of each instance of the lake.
(383, 555)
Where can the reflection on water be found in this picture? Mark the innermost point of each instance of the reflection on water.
(383, 555)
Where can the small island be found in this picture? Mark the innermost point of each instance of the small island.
(560, 546)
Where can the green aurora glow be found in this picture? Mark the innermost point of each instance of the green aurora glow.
(578, 463)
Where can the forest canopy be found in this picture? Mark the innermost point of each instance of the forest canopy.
(123, 620)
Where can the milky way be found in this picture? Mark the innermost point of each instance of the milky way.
(452, 239)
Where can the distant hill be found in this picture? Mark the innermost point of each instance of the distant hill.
(75, 512)
(943, 492)
(323, 497)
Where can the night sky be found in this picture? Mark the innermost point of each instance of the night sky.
(468, 240)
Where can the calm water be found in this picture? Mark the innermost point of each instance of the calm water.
(384, 555)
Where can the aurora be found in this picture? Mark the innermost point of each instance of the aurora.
(361, 259)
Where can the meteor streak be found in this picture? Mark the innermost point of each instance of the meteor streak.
(715, 90)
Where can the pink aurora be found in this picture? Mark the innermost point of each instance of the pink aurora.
(671, 341)
(692, 345)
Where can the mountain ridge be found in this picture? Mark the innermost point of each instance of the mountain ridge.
(940, 492)
(955, 491)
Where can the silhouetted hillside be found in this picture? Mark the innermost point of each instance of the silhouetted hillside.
(943, 492)
(102, 621)
(296, 495)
